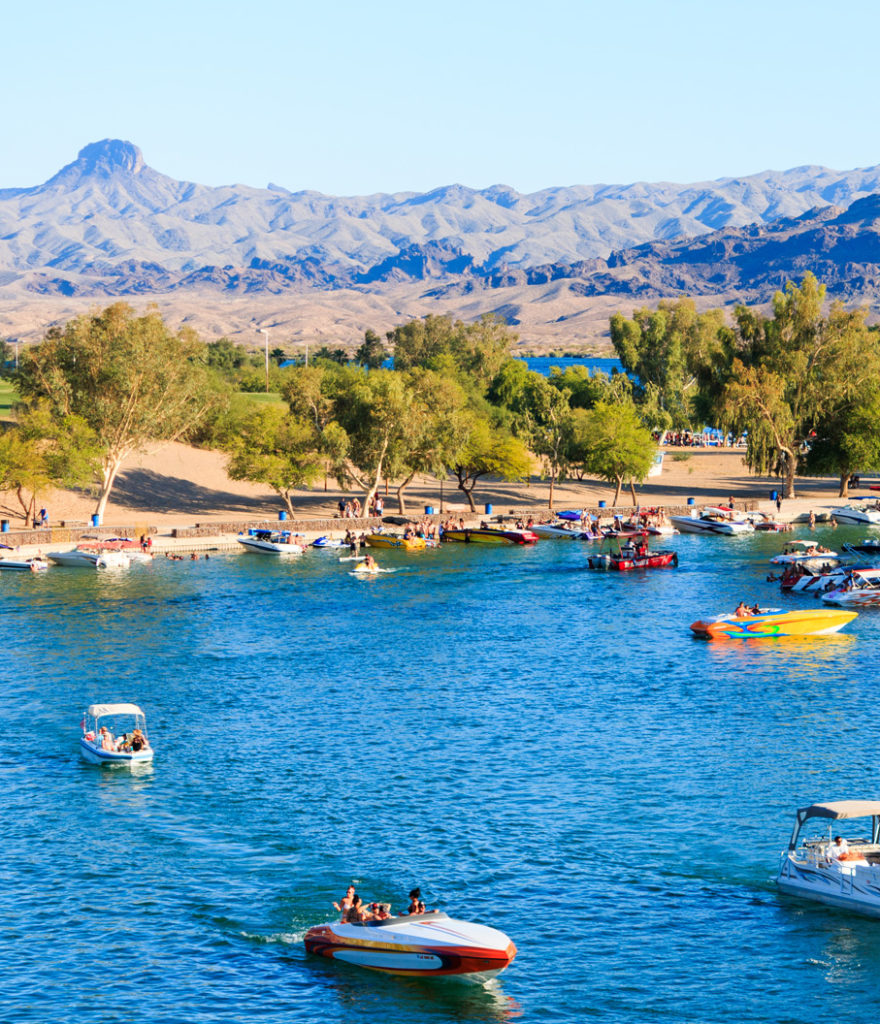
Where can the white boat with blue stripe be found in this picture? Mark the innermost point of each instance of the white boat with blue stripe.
(98, 744)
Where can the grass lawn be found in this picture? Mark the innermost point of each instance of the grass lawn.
(8, 396)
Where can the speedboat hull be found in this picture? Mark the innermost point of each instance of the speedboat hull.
(709, 524)
(391, 540)
(654, 560)
(268, 547)
(861, 516)
(490, 536)
(810, 622)
(23, 565)
(422, 945)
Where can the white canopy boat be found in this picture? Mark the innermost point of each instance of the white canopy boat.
(860, 588)
(98, 745)
(844, 874)
(425, 945)
(270, 542)
(802, 551)
(712, 520)
(863, 515)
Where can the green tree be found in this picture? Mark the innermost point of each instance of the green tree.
(615, 446)
(132, 380)
(358, 418)
(487, 450)
(372, 353)
(225, 356)
(847, 442)
(273, 447)
(669, 348)
(790, 372)
(473, 352)
(543, 419)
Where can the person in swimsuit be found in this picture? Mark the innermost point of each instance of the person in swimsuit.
(345, 905)
(356, 912)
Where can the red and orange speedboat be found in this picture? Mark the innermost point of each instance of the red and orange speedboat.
(425, 945)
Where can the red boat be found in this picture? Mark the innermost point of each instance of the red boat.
(632, 555)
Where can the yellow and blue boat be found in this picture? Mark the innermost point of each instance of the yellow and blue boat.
(772, 624)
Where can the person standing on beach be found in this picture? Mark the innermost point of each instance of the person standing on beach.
(778, 502)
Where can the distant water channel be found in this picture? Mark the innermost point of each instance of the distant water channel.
(539, 747)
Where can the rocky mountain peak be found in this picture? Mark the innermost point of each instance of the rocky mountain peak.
(110, 156)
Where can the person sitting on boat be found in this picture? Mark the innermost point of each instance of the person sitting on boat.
(138, 741)
(370, 563)
(408, 533)
(383, 911)
(838, 850)
(345, 903)
(356, 913)
(742, 611)
(414, 900)
(106, 738)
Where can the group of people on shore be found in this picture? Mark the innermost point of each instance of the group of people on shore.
(353, 509)
(355, 911)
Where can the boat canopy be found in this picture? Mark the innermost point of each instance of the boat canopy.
(838, 810)
(99, 710)
(841, 809)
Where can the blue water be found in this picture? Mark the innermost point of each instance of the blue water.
(542, 364)
(537, 746)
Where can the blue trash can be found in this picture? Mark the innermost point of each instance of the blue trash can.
(429, 510)
(774, 495)
(282, 515)
(691, 501)
(488, 510)
(96, 520)
(4, 526)
(603, 504)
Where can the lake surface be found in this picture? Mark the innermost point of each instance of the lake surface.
(542, 364)
(539, 747)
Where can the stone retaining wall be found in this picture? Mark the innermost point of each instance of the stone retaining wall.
(55, 535)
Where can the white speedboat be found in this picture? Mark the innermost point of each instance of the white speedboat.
(35, 564)
(712, 520)
(99, 745)
(844, 874)
(425, 945)
(860, 588)
(866, 515)
(270, 542)
(802, 551)
(570, 530)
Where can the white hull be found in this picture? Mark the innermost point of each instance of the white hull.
(550, 532)
(269, 547)
(853, 598)
(74, 559)
(24, 565)
(96, 755)
(689, 524)
(850, 886)
(423, 945)
(863, 517)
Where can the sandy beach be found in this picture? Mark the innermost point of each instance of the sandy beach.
(179, 486)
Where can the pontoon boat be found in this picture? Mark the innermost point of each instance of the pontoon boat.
(843, 874)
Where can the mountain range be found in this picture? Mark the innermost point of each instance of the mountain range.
(314, 266)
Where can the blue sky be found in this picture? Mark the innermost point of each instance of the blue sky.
(353, 98)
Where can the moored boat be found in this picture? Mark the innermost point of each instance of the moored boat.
(98, 745)
(396, 540)
(861, 515)
(860, 588)
(424, 945)
(489, 535)
(802, 551)
(35, 564)
(712, 520)
(564, 529)
(270, 542)
(838, 871)
(773, 623)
